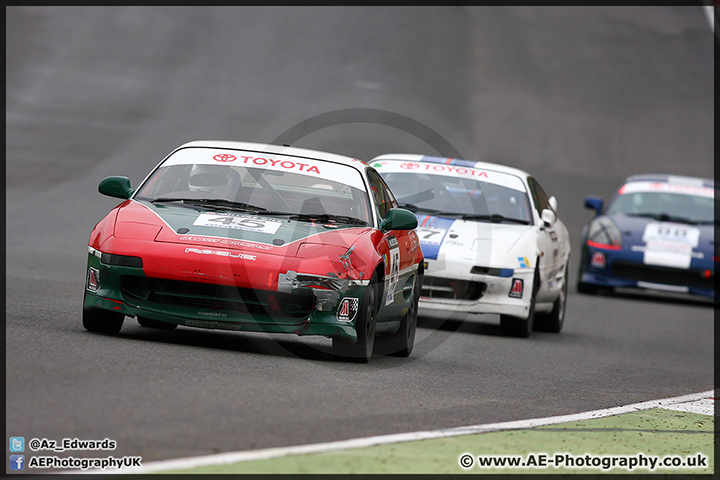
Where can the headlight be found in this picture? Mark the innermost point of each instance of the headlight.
(119, 260)
(603, 233)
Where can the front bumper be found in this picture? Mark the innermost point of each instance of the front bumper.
(627, 270)
(444, 297)
(301, 310)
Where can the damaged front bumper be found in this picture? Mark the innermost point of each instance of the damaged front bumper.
(303, 304)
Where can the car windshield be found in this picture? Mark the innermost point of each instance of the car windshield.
(665, 206)
(467, 198)
(295, 188)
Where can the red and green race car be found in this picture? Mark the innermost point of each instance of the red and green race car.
(259, 238)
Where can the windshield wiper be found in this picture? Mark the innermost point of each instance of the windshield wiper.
(494, 218)
(212, 202)
(415, 208)
(321, 217)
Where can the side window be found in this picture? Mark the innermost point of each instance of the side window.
(388, 193)
(383, 197)
(540, 198)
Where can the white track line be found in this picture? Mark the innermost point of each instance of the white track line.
(268, 453)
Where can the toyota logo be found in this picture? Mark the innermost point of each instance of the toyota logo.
(410, 166)
(225, 157)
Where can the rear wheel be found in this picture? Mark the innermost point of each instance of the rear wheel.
(400, 343)
(102, 321)
(149, 323)
(362, 349)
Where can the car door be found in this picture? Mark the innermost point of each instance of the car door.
(551, 254)
(397, 248)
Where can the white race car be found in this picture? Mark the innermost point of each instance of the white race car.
(492, 241)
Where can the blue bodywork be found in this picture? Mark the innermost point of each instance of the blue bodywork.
(625, 266)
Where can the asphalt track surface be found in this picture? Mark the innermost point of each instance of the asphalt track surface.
(580, 96)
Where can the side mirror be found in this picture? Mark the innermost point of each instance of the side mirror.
(594, 203)
(548, 217)
(399, 219)
(553, 202)
(118, 187)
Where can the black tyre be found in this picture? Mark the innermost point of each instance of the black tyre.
(518, 327)
(583, 287)
(400, 343)
(553, 321)
(361, 351)
(149, 323)
(102, 321)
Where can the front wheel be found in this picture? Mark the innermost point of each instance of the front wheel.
(400, 343)
(553, 321)
(518, 327)
(583, 287)
(102, 321)
(362, 349)
(521, 327)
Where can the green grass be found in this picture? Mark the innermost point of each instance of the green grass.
(652, 433)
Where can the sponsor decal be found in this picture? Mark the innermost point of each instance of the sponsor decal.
(456, 170)
(553, 236)
(93, 279)
(316, 168)
(220, 253)
(698, 190)
(392, 282)
(285, 164)
(516, 290)
(643, 248)
(211, 324)
(212, 314)
(598, 260)
(226, 241)
(524, 262)
(670, 244)
(464, 170)
(432, 232)
(239, 222)
(347, 311)
(224, 157)
(444, 168)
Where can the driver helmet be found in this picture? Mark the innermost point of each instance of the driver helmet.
(216, 180)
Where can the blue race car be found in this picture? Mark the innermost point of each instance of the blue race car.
(656, 233)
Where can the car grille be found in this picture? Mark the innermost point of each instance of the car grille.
(662, 275)
(157, 293)
(447, 288)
